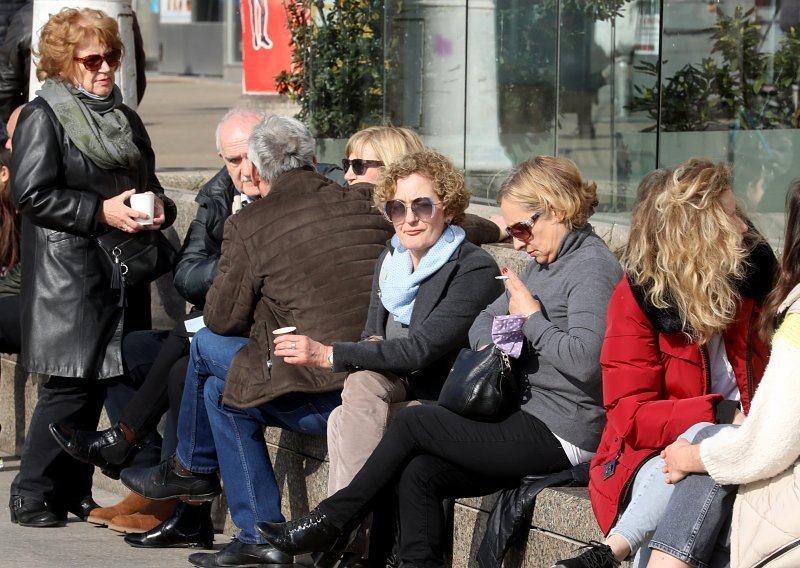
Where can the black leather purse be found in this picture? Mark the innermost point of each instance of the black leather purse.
(133, 259)
(482, 386)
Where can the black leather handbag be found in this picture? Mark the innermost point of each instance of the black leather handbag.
(481, 385)
(133, 259)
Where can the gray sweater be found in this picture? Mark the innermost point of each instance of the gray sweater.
(561, 358)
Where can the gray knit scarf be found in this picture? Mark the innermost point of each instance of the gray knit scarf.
(98, 127)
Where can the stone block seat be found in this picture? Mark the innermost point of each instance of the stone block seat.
(563, 519)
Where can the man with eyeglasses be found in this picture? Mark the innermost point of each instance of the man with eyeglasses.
(303, 257)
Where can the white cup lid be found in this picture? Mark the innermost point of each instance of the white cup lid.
(283, 330)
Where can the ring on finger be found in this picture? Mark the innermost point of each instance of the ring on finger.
(294, 345)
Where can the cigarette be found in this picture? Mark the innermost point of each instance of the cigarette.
(501, 277)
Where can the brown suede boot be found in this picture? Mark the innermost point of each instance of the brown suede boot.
(155, 513)
(132, 503)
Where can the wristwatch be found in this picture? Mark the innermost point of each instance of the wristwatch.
(330, 358)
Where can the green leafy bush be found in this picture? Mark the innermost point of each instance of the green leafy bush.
(337, 64)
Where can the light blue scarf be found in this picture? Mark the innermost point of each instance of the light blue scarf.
(399, 290)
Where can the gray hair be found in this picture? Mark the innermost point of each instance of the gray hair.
(280, 144)
(235, 112)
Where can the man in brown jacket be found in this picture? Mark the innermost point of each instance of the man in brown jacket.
(301, 256)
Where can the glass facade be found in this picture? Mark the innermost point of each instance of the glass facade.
(619, 87)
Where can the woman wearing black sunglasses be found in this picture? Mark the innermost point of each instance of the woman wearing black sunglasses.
(433, 453)
(79, 154)
(428, 287)
(373, 149)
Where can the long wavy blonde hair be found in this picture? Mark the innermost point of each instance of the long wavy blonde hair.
(684, 249)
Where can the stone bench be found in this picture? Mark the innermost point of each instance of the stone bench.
(562, 521)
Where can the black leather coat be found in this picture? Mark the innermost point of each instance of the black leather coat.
(71, 325)
(202, 246)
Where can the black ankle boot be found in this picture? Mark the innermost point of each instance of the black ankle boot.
(31, 512)
(80, 509)
(189, 527)
(107, 449)
(310, 533)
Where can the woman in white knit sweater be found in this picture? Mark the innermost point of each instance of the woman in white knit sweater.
(765, 446)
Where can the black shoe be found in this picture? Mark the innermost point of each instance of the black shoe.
(163, 482)
(189, 527)
(29, 512)
(241, 554)
(107, 449)
(310, 533)
(83, 508)
(597, 555)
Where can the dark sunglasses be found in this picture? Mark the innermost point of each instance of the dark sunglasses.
(522, 230)
(94, 62)
(423, 209)
(360, 166)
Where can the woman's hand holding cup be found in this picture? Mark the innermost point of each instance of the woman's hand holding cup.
(114, 213)
(301, 350)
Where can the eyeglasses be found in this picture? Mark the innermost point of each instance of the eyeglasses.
(360, 166)
(423, 209)
(94, 62)
(522, 230)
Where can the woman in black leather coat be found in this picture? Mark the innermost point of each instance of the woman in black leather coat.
(79, 154)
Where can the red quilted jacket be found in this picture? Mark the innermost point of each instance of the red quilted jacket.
(655, 386)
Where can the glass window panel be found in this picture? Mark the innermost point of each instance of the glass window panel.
(510, 106)
(426, 71)
(730, 93)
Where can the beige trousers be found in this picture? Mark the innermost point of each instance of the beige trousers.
(369, 400)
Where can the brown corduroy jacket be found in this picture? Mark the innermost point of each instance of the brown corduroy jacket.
(303, 256)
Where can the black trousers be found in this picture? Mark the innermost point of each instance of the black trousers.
(433, 454)
(46, 472)
(10, 331)
(156, 363)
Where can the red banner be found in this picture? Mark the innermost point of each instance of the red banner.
(265, 44)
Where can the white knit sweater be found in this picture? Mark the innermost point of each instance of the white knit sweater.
(769, 440)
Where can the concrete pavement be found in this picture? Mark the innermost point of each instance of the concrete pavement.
(76, 543)
(79, 544)
(181, 115)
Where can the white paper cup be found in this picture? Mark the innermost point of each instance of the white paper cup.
(145, 203)
(283, 330)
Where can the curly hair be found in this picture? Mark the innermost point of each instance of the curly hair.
(389, 143)
(448, 182)
(545, 183)
(65, 31)
(685, 249)
(9, 219)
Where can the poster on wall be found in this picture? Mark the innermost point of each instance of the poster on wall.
(176, 11)
(265, 44)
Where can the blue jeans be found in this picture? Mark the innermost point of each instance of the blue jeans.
(650, 496)
(697, 516)
(213, 436)
(210, 355)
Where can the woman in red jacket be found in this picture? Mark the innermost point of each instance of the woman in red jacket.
(682, 346)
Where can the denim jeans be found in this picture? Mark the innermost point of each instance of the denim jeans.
(212, 436)
(650, 496)
(210, 355)
(697, 516)
(250, 485)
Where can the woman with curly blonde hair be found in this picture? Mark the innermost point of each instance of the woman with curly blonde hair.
(682, 346)
(557, 305)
